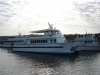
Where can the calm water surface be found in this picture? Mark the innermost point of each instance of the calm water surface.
(16, 63)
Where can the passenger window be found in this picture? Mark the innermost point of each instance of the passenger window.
(39, 41)
(51, 40)
(45, 41)
(54, 40)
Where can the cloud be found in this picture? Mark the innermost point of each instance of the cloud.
(2, 10)
(89, 11)
(34, 14)
(6, 11)
(20, 3)
(4, 3)
(1, 24)
(6, 15)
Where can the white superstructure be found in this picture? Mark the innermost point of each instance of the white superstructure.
(52, 41)
(85, 42)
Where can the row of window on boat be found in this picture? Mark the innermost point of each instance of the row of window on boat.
(43, 41)
(90, 41)
(84, 35)
(81, 41)
(52, 32)
(34, 41)
(13, 41)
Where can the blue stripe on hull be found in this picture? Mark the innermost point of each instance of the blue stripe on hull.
(50, 53)
(35, 47)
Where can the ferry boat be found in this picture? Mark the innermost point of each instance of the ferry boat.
(52, 41)
(85, 42)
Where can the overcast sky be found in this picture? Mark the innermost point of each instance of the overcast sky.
(69, 16)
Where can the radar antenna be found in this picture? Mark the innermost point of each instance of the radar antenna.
(50, 26)
(85, 31)
(20, 34)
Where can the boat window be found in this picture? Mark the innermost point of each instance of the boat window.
(85, 41)
(42, 41)
(31, 41)
(46, 32)
(39, 41)
(54, 40)
(36, 41)
(81, 36)
(91, 41)
(85, 35)
(57, 32)
(51, 40)
(51, 31)
(46, 41)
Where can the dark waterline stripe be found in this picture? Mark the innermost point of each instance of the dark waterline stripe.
(33, 47)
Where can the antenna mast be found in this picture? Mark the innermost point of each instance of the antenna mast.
(50, 26)
(85, 31)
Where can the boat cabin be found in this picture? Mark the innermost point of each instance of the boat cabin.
(85, 40)
(49, 36)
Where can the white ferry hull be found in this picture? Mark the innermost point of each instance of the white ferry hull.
(44, 50)
(88, 48)
(49, 48)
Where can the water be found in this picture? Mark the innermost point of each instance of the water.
(16, 63)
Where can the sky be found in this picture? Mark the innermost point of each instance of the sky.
(69, 16)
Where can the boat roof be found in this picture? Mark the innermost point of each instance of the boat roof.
(44, 30)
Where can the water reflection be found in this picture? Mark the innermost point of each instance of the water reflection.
(19, 63)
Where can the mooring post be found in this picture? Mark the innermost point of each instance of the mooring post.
(12, 45)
